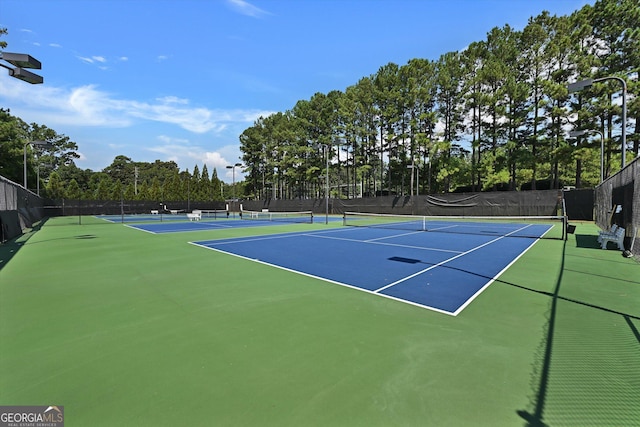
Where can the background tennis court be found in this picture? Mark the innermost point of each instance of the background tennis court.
(124, 327)
(210, 220)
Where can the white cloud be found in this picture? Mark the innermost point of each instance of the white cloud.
(197, 120)
(171, 140)
(172, 100)
(85, 59)
(93, 59)
(246, 8)
(87, 106)
(69, 110)
(213, 159)
(90, 107)
(188, 155)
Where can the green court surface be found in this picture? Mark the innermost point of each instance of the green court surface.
(127, 328)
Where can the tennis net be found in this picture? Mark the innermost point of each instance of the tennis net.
(213, 213)
(301, 217)
(548, 227)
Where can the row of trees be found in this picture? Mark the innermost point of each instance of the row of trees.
(51, 170)
(131, 180)
(493, 116)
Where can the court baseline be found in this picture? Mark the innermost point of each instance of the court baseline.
(458, 267)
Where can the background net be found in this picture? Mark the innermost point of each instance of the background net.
(548, 227)
(497, 203)
(302, 216)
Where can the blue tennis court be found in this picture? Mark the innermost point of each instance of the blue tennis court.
(160, 218)
(439, 271)
(177, 223)
(182, 226)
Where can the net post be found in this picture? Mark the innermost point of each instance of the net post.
(565, 220)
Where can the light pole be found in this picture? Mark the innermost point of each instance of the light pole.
(579, 85)
(21, 61)
(428, 161)
(233, 173)
(40, 143)
(576, 133)
(414, 167)
(326, 195)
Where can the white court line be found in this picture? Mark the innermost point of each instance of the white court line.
(201, 226)
(373, 242)
(231, 240)
(317, 235)
(139, 229)
(357, 288)
(394, 236)
(373, 292)
(447, 260)
(283, 235)
(479, 291)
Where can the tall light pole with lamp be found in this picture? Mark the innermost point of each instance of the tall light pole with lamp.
(582, 84)
(44, 144)
(20, 61)
(327, 188)
(576, 133)
(233, 174)
(414, 167)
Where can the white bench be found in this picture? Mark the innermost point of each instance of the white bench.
(194, 216)
(616, 237)
(608, 232)
(154, 212)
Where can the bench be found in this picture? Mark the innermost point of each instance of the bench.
(154, 212)
(609, 232)
(195, 216)
(616, 237)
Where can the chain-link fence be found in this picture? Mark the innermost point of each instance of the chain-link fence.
(618, 202)
(125, 207)
(19, 209)
(497, 203)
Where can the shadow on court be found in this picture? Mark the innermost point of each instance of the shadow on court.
(587, 241)
(586, 368)
(554, 295)
(588, 337)
(10, 248)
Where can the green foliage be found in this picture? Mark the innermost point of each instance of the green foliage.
(506, 97)
(55, 187)
(3, 44)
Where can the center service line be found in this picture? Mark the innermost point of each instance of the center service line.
(446, 261)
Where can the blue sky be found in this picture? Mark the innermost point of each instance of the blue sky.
(181, 79)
